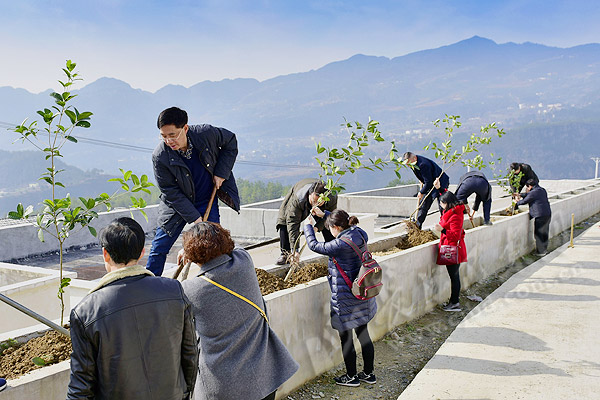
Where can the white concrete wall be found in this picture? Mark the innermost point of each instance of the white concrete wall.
(413, 285)
(21, 240)
(38, 292)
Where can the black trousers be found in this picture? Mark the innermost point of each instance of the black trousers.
(368, 350)
(454, 282)
(424, 209)
(541, 230)
(284, 237)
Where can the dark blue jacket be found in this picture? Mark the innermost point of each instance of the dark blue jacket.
(474, 182)
(347, 312)
(537, 198)
(528, 174)
(218, 150)
(427, 172)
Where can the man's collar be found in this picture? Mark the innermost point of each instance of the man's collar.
(121, 273)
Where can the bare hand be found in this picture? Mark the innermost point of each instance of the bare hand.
(218, 181)
(419, 197)
(436, 183)
(181, 256)
(318, 212)
(294, 258)
(438, 227)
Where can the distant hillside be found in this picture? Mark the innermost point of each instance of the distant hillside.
(539, 94)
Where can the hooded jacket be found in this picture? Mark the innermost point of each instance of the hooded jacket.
(218, 151)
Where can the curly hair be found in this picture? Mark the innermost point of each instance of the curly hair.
(205, 241)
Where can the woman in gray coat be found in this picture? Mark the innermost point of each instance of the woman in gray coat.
(240, 356)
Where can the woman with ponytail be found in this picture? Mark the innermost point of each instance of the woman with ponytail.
(347, 312)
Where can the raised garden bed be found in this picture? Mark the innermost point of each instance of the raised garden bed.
(17, 357)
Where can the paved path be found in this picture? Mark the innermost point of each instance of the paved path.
(536, 337)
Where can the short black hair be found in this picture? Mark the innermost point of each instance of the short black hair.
(123, 239)
(531, 182)
(317, 187)
(515, 166)
(450, 199)
(172, 116)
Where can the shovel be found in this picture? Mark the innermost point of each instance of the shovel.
(186, 267)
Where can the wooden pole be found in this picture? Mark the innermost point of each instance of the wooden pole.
(572, 227)
(186, 268)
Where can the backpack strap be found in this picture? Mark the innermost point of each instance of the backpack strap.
(354, 247)
(346, 279)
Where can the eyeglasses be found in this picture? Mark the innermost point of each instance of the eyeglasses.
(171, 136)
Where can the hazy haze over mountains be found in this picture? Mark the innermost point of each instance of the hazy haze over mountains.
(546, 98)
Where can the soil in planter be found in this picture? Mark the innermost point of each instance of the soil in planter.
(270, 283)
(414, 238)
(508, 212)
(52, 347)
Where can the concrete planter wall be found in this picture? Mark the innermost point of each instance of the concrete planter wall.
(36, 289)
(19, 241)
(413, 285)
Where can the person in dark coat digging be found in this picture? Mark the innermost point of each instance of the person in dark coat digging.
(474, 182)
(189, 162)
(301, 201)
(426, 172)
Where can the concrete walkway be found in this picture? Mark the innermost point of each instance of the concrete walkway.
(536, 337)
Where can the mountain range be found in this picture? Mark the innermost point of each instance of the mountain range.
(546, 98)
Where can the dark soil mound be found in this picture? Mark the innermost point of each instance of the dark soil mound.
(270, 283)
(52, 347)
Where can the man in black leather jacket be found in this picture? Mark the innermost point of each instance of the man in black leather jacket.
(133, 335)
(188, 163)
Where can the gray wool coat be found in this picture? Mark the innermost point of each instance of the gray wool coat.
(240, 355)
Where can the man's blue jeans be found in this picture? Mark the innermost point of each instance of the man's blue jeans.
(162, 243)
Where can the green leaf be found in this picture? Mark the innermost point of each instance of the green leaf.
(71, 139)
(14, 215)
(83, 124)
(127, 175)
(41, 235)
(92, 230)
(38, 360)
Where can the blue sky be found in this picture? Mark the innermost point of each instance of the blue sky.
(150, 44)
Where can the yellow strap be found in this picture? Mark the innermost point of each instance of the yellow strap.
(264, 315)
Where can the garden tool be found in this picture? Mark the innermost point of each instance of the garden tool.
(186, 267)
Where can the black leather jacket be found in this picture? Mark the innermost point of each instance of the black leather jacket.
(218, 150)
(134, 339)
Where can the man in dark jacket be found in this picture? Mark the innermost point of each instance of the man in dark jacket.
(476, 182)
(427, 171)
(539, 209)
(189, 162)
(301, 200)
(527, 172)
(133, 335)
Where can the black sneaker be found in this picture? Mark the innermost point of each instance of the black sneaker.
(2, 384)
(345, 380)
(370, 379)
(452, 307)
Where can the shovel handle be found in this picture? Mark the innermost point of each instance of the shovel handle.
(210, 203)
